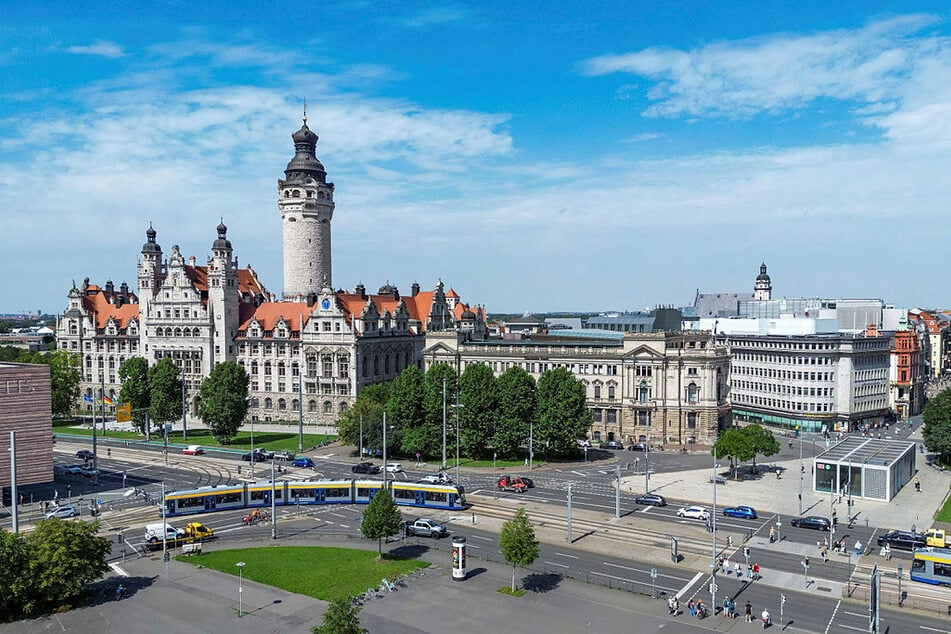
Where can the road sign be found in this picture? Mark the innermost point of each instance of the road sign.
(123, 412)
(653, 573)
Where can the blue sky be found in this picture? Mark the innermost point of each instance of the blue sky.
(535, 156)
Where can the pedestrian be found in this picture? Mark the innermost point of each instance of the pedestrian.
(825, 554)
(819, 544)
(56, 495)
(748, 610)
(917, 485)
(888, 552)
(755, 572)
(732, 609)
(766, 618)
(726, 607)
(725, 566)
(670, 605)
(692, 607)
(772, 534)
(858, 547)
(825, 543)
(749, 573)
(738, 569)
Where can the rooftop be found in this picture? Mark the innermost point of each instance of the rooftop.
(874, 451)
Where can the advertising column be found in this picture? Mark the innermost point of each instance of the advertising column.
(459, 558)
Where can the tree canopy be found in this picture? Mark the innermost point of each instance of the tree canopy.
(65, 377)
(745, 443)
(516, 410)
(134, 375)
(165, 391)
(381, 518)
(478, 396)
(223, 400)
(562, 416)
(436, 404)
(367, 412)
(341, 617)
(937, 425)
(404, 411)
(517, 542)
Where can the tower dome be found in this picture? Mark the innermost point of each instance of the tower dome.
(151, 246)
(763, 276)
(222, 242)
(763, 288)
(305, 162)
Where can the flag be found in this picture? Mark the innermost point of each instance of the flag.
(108, 401)
(88, 398)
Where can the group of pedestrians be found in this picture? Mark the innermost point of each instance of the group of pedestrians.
(699, 610)
(736, 568)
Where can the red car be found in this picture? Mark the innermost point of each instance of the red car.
(193, 450)
(505, 483)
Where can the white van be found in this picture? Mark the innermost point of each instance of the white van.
(153, 532)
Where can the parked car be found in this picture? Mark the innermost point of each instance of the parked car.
(394, 467)
(304, 461)
(89, 472)
(903, 540)
(62, 512)
(256, 455)
(612, 444)
(812, 521)
(426, 528)
(651, 499)
(193, 450)
(528, 481)
(365, 467)
(741, 512)
(638, 446)
(694, 513)
(72, 469)
(85, 454)
(283, 454)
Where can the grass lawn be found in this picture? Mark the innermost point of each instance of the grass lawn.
(268, 440)
(322, 573)
(944, 515)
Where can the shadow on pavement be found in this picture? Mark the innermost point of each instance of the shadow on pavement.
(541, 582)
(104, 590)
(410, 551)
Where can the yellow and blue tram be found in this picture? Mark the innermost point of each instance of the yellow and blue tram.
(932, 565)
(310, 492)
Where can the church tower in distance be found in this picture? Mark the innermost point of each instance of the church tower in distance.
(306, 202)
(763, 289)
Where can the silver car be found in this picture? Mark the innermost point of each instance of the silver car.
(62, 512)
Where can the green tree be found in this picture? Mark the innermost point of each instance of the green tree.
(15, 582)
(404, 411)
(64, 381)
(734, 444)
(516, 411)
(381, 518)
(937, 426)
(165, 391)
(223, 400)
(478, 395)
(341, 617)
(438, 375)
(367, 411)
(134, 375)
(562, 416)
(762, 442)
(64, 557)
(517, 542)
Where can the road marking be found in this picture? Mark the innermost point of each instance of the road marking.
(683, 590)
(832, 618)
(858, 614)
(119, 571)
(551, 563)
(564, 555)
(488, 539)
(583, 475)
(931, 629)
(646, 509)
(595, 572)
(857, 629)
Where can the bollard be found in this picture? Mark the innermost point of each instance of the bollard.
(473, 518)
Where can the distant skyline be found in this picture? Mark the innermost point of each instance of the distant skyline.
(561, 156)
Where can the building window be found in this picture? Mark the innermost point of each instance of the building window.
(644, 418)
(328, 407)
(311, 406)
(597, 391)
(611, 391)
(268, 404)
(328, 364)
(692, 420)
(596, 415)
(612, 416)
(643, 393)
(693, 393)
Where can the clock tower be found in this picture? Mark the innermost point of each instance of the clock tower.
(306, 203)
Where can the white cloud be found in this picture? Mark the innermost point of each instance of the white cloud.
(100, 49)
(778, 72)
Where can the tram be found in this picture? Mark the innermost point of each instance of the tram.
(311, 492)
(932, 565)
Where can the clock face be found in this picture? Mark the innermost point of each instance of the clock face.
(325, 304)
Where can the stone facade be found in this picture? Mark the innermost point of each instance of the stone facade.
(660, 388)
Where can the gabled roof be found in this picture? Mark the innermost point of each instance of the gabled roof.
(268, 314)
(248, 283)
(96, 303)
(719, 304)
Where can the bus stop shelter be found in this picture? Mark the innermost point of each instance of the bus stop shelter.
(868, 468)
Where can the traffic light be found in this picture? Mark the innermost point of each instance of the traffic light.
(807, 562)
(746, 552)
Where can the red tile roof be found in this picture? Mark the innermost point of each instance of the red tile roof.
(96, 302)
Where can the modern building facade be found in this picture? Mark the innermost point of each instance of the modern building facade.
(26, 408)
(659, 388)
(868, 468)
(315, 349)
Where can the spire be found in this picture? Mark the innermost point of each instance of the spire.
(151, 246)
(305, 161)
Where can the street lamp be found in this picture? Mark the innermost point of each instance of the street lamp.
(300, 410)
(457, 407)
(531, 445)
(802, 471)
(713, 530)
(240, 566)
(444, 423)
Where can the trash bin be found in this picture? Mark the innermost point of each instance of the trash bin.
(458, 558)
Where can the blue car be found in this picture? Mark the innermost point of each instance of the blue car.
(742, 512)
(304, 461)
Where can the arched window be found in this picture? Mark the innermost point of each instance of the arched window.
(295, 405)
(267, 368)
(344, 406)
(328, 407)
(597, 391)
(693, 393)
(254, 402)
(610, 391)
(281, 404)
(312, 406)
(254, 367)
(643, 392)
(196, 332)
(268, 404)
(178, 332)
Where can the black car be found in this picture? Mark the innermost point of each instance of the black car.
(902, 540)
(528, 482)
(85, 454)
(365, 467)
(612, 444)
(256, 456)
(651, 499)
(812, 521)
(638, 446)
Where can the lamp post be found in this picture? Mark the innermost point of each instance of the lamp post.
(240, 566)
(802, 471)
(384, 449)
(456, 409)
(444, 423)
(900, 571)
(531, 445)
(252, 447)
(713, 526)
(300, 411)
(361, 436)
(184, 412)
